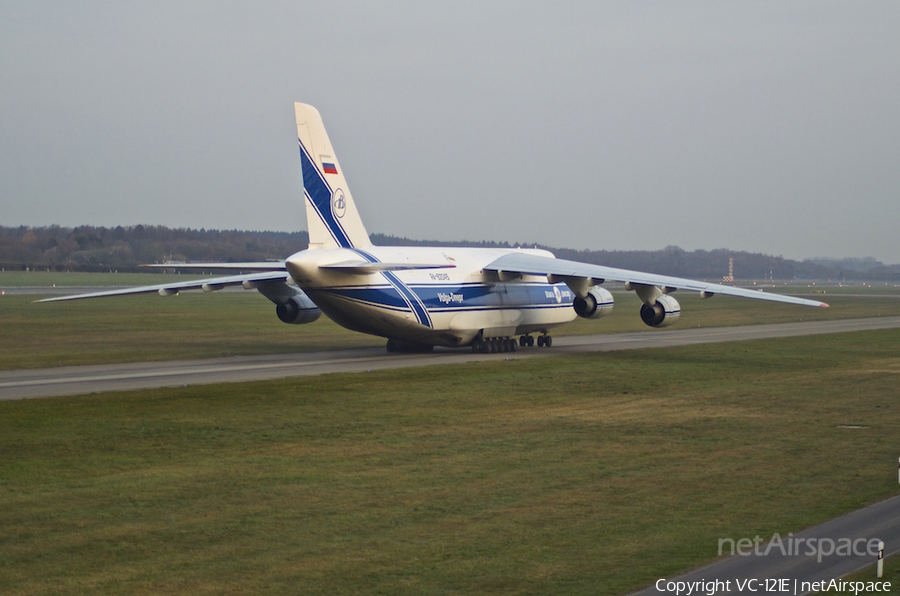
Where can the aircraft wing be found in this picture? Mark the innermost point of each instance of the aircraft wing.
(210, 284)
(575, 273)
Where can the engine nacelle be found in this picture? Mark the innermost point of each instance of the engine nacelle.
(298, 310)
(598, 303)
(663, 313)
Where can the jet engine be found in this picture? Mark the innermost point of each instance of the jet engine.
(662, 313)
(598, 303)
(298, 310)
(292, 305)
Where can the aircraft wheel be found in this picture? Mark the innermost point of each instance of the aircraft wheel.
(523, 341)
(530, 342)
(548, 341)
(513, 346)
(540, 341)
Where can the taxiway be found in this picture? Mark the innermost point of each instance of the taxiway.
(47, 382)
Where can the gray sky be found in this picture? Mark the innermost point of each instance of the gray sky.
(764, 126)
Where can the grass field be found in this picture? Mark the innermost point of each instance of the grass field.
(197, 325)
(592, 474)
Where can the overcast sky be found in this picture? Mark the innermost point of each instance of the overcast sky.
(769, 127)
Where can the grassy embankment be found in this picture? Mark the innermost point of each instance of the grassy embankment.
(591, 474)
(196, 325)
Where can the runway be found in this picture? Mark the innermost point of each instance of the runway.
(47, 382)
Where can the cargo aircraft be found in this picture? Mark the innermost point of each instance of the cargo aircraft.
(489, 299)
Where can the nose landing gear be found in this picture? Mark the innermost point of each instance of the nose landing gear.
(543, 341)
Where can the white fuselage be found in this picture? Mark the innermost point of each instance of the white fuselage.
(448, 306)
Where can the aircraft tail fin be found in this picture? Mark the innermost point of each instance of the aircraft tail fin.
(331, 215)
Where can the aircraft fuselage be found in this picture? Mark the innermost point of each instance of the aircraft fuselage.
(449, 306)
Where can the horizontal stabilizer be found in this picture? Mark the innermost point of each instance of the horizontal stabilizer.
(367, 267)
(252, 266)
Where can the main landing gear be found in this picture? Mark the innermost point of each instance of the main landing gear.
(496, 345)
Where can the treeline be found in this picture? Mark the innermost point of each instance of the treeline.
(90, 248)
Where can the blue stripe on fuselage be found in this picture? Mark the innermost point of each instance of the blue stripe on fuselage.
(412, 300)
(385, 296)
(443, 297)
(460, 297)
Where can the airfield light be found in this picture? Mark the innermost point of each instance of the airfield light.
(730, 277)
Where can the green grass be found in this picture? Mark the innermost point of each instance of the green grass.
(555, 475)
(149, 327)
(197, 325)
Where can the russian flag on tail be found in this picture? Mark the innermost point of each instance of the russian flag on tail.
(329, 168)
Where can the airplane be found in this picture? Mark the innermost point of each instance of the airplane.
(421, 297)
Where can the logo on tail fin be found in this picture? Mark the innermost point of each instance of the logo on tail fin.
(338, 203)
